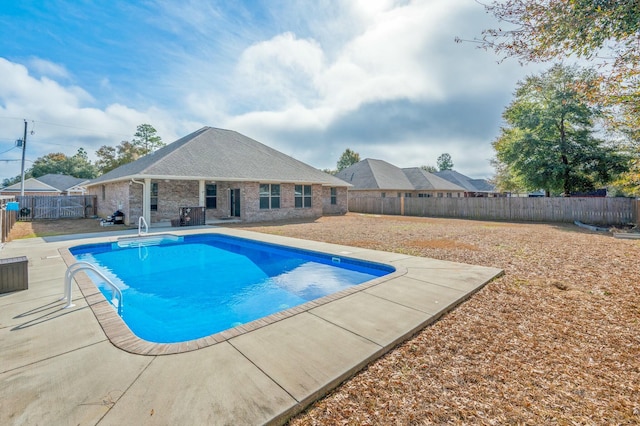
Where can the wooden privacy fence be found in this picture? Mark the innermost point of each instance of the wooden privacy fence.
(34, 207)
(610, 211)
(7, 218)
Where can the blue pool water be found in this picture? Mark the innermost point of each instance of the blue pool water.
(176, 289)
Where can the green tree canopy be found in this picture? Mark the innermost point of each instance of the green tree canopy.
(428, 168)
(110, 157)
(77, 165)
(504, 180)
(146, 139)
(445, 162)
(548, 141)
(347, 158)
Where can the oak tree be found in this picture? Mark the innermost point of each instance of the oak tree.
(549, 141)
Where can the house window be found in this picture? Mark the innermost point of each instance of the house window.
(383, 195)
(302, 196)
(269, 196)
(424, 195)
(211, 200)
(449, 195)
(399, 194)
(104, 192)
(334, 196)
(439, 194)
(407, 195)
(154, 197)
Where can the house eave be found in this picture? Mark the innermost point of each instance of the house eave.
(216, 179)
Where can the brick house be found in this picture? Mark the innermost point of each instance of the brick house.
(377, 178)
(229, 174)
(472, 187)
(49, 184)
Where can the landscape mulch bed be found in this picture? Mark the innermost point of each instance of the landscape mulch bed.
(556, 340)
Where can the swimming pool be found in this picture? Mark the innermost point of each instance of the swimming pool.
(176, 289)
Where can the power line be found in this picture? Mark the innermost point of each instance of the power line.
(13, 147)
(81, 128)
(67, 126)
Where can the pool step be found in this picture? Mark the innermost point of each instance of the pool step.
(146, 241)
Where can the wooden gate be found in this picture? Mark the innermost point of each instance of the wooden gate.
(56, 207)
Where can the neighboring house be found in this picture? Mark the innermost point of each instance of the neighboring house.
(472, 187)
(50, 184)
(229, 174)
(377, 178)
(430, 185)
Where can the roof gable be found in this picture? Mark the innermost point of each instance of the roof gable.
(47, 183)
(31, 185)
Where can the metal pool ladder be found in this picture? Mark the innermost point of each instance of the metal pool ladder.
(79, 266)
(142, 221)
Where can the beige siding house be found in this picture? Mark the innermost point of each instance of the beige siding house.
(50, 184)
(229, 174)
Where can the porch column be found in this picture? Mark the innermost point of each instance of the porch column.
(201, 192)
(146, 201)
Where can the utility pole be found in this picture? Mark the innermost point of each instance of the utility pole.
(24, 147)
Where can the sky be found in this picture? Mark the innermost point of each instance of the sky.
(309, 78)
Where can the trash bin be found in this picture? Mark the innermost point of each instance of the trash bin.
(118, 218)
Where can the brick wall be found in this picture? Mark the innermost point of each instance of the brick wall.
(175, 194)
(253, 213)
(115, 196)
(341, 206)
(171, 196)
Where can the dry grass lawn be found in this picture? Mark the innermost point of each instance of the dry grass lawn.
(49, 228)
(556, 340)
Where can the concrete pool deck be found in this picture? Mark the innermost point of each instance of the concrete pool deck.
(57, 366)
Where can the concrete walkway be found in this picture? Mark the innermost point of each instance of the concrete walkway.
(58, 366)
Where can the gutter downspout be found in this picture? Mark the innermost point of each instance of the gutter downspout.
(146, 199)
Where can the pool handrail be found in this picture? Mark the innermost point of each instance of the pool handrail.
(141, 221)
(79, 266)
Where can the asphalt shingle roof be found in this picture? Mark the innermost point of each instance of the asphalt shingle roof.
(48, 182)
(218, 154)
(375, 174)
(423, 180)
(378, 174)
(61, 182)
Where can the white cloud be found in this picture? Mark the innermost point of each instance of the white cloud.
(395, 55)
(62, 118)
(25, 92)
(303, 77)
(283, 70)
(47, 68)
